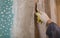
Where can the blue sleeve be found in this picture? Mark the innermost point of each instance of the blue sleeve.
(51, 30)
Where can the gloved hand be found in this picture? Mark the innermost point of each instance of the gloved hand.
(44, 17)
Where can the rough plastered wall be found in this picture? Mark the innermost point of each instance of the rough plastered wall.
(58, 11)
(53, 10)
(24, 19)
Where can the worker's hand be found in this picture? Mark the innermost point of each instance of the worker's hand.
(44, 17)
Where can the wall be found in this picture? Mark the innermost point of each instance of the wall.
(58, 11)
(24, 19)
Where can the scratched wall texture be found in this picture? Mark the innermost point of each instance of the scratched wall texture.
(24, 19)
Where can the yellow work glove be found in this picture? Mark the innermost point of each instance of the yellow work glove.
(38, 17)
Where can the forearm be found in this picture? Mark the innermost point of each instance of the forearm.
(48, 22)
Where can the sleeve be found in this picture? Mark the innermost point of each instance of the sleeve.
(50, 32)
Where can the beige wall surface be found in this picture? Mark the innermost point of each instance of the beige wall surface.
(24, 19)
(58, 11)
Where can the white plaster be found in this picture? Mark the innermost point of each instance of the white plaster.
(53, 11)
(24, 19)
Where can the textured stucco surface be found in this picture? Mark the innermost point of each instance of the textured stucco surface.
(24, 19)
